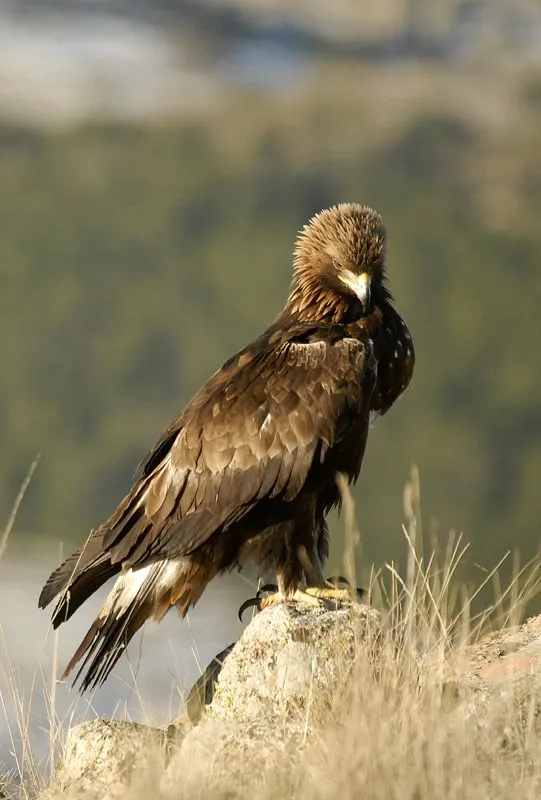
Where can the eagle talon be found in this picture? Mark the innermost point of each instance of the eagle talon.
(300, 596)
(252, 602)
(340, 580)
(336, 591)
(257, 601)
(330, 595)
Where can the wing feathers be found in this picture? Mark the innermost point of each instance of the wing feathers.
(252, 434)
(237, 447)
(269, 478)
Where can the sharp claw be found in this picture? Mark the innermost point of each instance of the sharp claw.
(309, 595)
(255, 602)
(302, 596)
(252, 602)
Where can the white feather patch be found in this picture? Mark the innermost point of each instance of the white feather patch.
(124, 593)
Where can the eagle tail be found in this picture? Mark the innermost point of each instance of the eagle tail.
(137, 595)
(89, 568)
(77, 578)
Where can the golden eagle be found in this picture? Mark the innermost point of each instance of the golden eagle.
(247, 471)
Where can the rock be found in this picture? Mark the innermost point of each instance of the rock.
(496, 681)
(254, 698)
(289, 655)
(215, 755)
(287, 660)
(102, 757)
(259, 702)
(503, 656)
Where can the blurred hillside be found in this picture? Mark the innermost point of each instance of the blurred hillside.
(70, 59)
(137, 255)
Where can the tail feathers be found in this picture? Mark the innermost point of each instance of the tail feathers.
(82, 588)
(78, 577)
(136, 596)
(67, 572)
(104, 643)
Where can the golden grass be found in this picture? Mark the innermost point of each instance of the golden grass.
(401, 727)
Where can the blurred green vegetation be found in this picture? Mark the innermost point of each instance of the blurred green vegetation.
(135, 259)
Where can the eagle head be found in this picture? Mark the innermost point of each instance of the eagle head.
(339, 260)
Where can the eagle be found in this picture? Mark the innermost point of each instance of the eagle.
(248, 471)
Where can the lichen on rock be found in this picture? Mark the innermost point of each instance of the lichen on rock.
(288, 655)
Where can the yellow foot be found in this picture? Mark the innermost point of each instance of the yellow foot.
(298, 596)
(330, 594)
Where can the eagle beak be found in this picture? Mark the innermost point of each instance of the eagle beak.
(359, 285)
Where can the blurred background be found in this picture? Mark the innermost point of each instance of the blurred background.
(156, 160)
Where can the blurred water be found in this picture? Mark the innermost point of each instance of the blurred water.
(163, 662)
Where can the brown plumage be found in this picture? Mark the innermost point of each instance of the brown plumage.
(362, 238)
(247, 472)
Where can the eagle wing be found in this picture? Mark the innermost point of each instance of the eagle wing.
(252, 432)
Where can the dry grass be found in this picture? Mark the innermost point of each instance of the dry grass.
(398, 729)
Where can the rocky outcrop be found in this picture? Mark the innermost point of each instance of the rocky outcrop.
(268, 690)
(258, 700)
(257, 704)
(288, 656)
(101, 757)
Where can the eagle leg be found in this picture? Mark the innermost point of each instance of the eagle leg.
(337, 590)
(278, 596)
(329, 592)
(301, 596)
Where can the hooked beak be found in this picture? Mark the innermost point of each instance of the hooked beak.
(359, 285)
